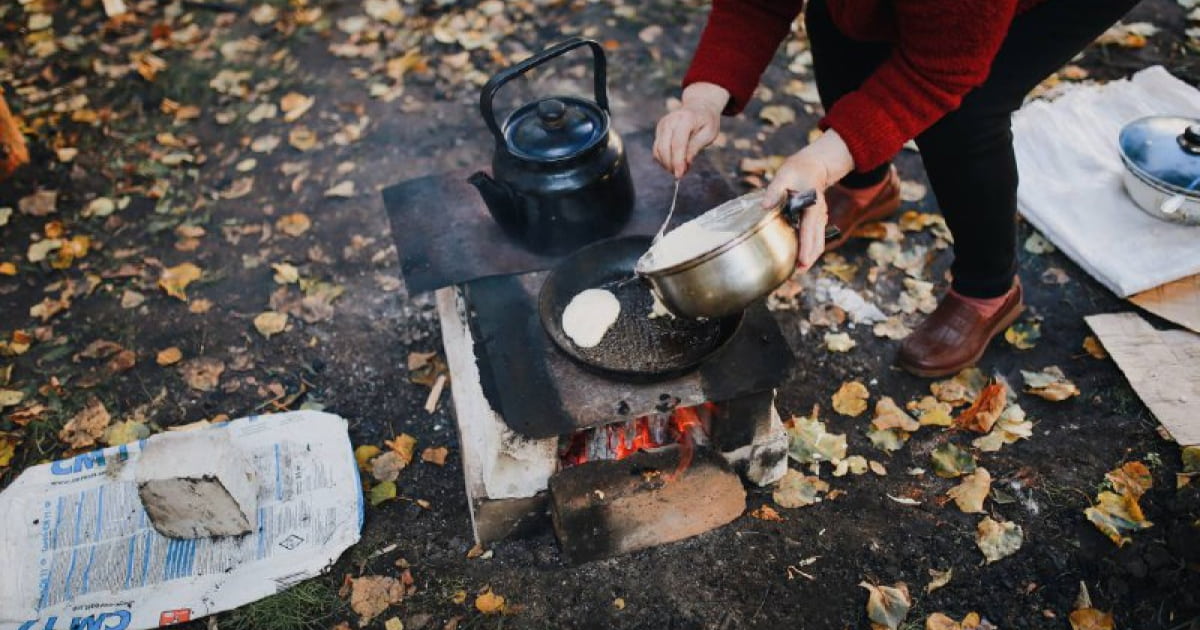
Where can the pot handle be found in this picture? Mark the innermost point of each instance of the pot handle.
(599, 78)
(797, 203)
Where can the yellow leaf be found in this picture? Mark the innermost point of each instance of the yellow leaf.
(125, 432)
(302, 138)
(8, 448)
(383, 491)
(373, 594)
(8, 269)
(403, 446)
(294, 105)
(1093, 347)
(798, 490)
(435, 455)
(1023, 335)
(971, 493)
(1091, 619)
(86, 426)
(998, 539)
(851, 399)
(459, 597)
(1116, 515)
(270, 323)
(168, 356)
(175, 279)
(393, 624)
(1131, 479)
(489, 603)
(890, 416)
(364, 454)
(887, 606)
(982, 414)
(767, 513)
(293, 224)
(11, 397)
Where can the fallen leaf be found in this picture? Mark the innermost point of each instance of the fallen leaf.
(798, 490)
(293, 224)
(938, 579)
(364, 454)
(1037, 244)
(86, 426)
(1091, 619)
(767, 513)
(302, 138)
(777, 115)
(892, 328)
(939, 621)
(175, 279)
(122, 361)
(39, 204)
(343, 190)
(962, 389)
(383, 491)
(1023, 335)
(998, 539)
(168, 356)
(851, 399)
(8, 448)
(387, 467)
(887, 606)
(403, 446)
(971, 493)
(393, 624)
(99, 207)
(435, 455)
(373, 594)
(838, 342)
(125, 432)
(890, 416)
(855, 465)
(887, 439)
(950, 461)
(286, 273)
(11, 397)
(904, 500)
(912, 191)
(1132, 478)
(131, 299)
(1009, 427)
(294, 105)
(809, 442)
(489, 602)
(1050, 384)
(270, 323)
(202, 373)
(1093, 347)
(933, 412)
(982, 414)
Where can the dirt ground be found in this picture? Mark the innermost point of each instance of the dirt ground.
(394, 97)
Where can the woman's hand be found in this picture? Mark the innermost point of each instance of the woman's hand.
(683, 133)
(816, 167)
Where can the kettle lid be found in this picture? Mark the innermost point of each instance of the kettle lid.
(555, 128)
(1165, 149)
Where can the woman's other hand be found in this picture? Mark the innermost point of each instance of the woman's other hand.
(683, 133)
(816, 167)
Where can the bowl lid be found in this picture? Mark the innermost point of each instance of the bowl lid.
(555, 128)
(1165, 150)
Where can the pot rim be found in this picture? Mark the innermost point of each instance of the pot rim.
(692, 263)
(1157, 183)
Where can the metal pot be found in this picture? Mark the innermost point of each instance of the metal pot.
(1162, 166)
(726, 279)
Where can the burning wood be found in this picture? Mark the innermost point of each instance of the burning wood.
(686, 426)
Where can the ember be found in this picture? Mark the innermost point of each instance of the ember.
(685, 426)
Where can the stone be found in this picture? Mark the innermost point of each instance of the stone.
(198, 484)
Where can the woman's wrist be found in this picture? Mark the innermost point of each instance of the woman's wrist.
(705, 96)
(832, 154)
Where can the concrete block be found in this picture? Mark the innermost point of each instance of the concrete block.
(605, 508)
(198, 484)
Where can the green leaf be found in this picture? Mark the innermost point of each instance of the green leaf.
(382, 492)
(950, 461)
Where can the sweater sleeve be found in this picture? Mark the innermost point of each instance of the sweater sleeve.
(738, 42)
(945, 50)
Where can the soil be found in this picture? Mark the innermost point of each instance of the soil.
(353, 362)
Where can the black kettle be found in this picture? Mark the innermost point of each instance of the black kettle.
(560, 178)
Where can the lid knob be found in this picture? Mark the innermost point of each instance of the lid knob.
(552, 112)
(1189, 140)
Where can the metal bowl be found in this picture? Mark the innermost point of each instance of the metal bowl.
(1161, 155)
(727, 278)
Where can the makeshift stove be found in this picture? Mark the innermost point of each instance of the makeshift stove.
(611, 465)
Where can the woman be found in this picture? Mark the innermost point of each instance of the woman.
(947, 73)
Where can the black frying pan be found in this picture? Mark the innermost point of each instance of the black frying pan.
(635, 347)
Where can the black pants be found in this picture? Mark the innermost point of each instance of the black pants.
(968, 154)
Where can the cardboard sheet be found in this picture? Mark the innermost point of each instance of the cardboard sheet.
(1162, 366)
(79, 551)
(1177, 301)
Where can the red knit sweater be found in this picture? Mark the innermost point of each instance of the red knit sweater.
(943, 49)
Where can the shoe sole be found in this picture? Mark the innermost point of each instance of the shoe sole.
(1004, 323)
(877, 215)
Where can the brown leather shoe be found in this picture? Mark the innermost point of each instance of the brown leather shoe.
(955, 335)
(849, 216)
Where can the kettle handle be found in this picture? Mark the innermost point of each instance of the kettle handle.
(600, 80)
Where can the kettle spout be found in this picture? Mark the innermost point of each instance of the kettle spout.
(497, 197)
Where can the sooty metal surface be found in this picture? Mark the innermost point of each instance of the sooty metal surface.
(445, 235)
(636, 345)
(541, 392)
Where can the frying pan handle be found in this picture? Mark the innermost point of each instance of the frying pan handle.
(797, 203)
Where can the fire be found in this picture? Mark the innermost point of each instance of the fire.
(622, 439)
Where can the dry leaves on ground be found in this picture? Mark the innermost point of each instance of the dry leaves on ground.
(851, 399)
(293, 224)
(809, 442)
(364, 454)
(175, 279)
(887, 606)
(1118, 513)
(1023, 335)
(939, 621)
(932, 412)
(125, 432)
(998, 539)
(1085, 616)
(798, 490)
(8, 448)
(489, 602)
(950, 461)
(373, 594)
(961, 389)
(1050, 384)
(435, 455)
(168, 356)
(1008, 428)
(270, 323)
(767, 513)
(382, 491)
(938, 579)
(202, 373)
(403, 446)
(982, 414)
(86, 426)
(838, 342)
(972, 492)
